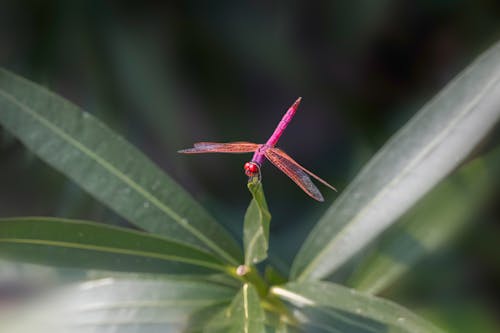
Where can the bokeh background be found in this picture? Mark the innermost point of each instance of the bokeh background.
(166, 74)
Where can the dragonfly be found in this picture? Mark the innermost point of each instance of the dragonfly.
(280, 159)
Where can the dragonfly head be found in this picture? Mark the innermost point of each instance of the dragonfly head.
(252, 169)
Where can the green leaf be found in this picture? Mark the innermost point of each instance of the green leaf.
(464, 316)
(436, 219)
(119, 305)
(108, 167)
(256, 225)
(243, 315)
(198, 321)
(327, 307)
(81, 244)
(417, 157)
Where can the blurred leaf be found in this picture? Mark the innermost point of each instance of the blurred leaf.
(143, 71)
(81, 244)
(465, 316)
(107, 166)
(199, 319)
(19, 280)
(441, 215)
(119, 305)
(423, 152)
(243, 315)
(217, 278)
(327, 307)
(16, 271)
(256, 225)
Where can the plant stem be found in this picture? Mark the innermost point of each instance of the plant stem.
(253, 277)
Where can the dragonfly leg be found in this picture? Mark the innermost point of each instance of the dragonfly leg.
(255, 178)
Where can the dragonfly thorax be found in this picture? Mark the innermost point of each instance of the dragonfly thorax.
(251, 169)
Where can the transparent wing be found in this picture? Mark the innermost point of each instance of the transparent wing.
(282, 154)
(218, 147)
(295, 172)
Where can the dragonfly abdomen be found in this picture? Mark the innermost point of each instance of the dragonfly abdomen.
(283, 123)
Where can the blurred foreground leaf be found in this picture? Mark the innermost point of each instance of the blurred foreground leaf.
(106, 166)
(327, 307)
(256, 225)
(422, 153)
(80, 244)
(441, 214)
(118, 305)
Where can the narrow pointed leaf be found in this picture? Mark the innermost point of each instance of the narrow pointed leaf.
(80, 244)
(414, 160)
(440, 215)
(244, 315)
(327, 307)
(256, 225)
(106, 166)
(119, 305)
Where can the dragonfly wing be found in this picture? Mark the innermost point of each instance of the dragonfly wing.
(219, 147)
(282, 154)
(295, 173)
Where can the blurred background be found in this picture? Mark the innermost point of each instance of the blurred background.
(166, 74)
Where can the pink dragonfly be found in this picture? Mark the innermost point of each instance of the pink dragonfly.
(276, 156)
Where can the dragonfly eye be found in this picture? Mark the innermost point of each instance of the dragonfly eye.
(251, 169)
